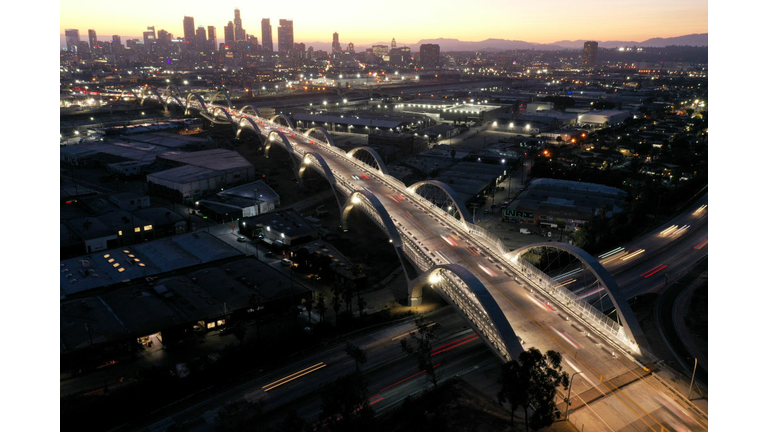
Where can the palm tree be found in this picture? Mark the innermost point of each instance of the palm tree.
(321, 306)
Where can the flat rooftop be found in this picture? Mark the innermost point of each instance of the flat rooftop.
(138, 261)
(139, 309)
(569, 199)
(257, 191)
(216, 159)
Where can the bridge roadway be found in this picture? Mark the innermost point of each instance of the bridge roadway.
(537, 320)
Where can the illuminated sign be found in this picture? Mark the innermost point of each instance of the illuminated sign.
(520, 214)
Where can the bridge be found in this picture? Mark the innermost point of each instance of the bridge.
(497, 291)
(551, 296)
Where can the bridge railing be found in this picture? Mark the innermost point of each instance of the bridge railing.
(490, 239)
(459, 294)
(568, 299)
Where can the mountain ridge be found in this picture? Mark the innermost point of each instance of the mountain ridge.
(496, 44)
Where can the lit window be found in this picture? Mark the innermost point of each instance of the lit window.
(211, 325)
(137, 229)
(136, 260)
(130, 255)
(125, 250)
(111, 260)
(147, 227)
(116, 265)
(120, 233)
(220, 322)
(106, 256)
(120, 270)
(141, 264)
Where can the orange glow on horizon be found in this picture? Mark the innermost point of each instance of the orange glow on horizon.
(545, 23)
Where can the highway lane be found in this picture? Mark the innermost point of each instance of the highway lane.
(693, 219)
(538, 323)
(665, 267)
(300, 379)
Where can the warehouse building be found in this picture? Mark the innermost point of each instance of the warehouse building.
(197, 173)
(564, 203)
(607, 117)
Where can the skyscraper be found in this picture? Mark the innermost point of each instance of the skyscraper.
(239, 32)
(429, 56)
(590, 54)
(201, 41)
(149, 36)
(285, 36)
(400, 56)
(163, 37)
(229, 34)
(72, 37)
(335, 46)
(189, 31)
(211, 38)
(266, 35)
(379, 50)
(394, 45)
(351, 48)
(92, 38)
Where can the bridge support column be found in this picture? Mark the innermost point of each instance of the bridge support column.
(415, 293)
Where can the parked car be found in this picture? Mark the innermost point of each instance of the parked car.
(271, 254)
(286, 262)
(242, 239)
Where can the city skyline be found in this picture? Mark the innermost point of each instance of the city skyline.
(535, 23)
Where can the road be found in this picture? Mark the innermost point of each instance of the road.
(537, 320)
(392, 375)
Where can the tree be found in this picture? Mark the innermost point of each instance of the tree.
(531, 382)
(345, 404)
(423, 338)
(348, 293)
(336, 301)
(309, 303)
(292, 423)
(254, 302)
(360, 303)
(240, 330)
(321, 307)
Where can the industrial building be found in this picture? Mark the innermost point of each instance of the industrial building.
(564, 203)
(609, 117)
(279, 228)
(146, 259)
(198, 173)
(172, 306)
(246, 200)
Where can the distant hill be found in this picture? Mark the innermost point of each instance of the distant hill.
(446, 44)
(504, 44)
(699, 40)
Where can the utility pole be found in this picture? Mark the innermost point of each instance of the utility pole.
(474, 211)
(568, 402)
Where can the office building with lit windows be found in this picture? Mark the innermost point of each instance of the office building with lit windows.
(285, 36)
(590, 54)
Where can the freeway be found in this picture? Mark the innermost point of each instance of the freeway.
(391, 374)
(430, 236)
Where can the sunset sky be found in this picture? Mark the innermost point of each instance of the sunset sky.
(538, 21)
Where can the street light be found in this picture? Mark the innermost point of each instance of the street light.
(568, 405)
